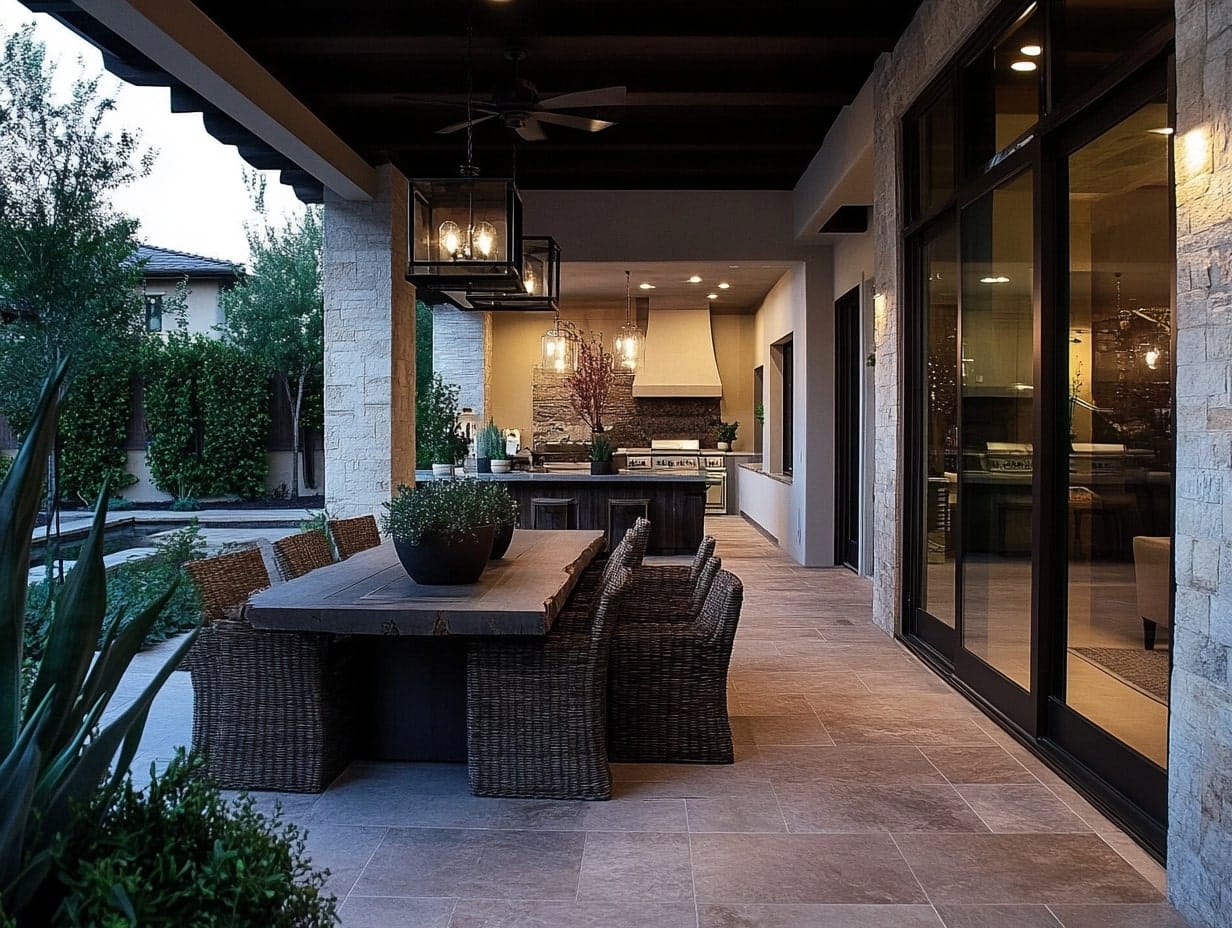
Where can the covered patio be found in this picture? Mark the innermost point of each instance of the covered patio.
(839, 810)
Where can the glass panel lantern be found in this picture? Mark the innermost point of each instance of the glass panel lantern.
(540, 280)
(557, 350)
(627, 348)
(466, 234)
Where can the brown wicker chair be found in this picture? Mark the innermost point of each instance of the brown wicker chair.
(271, 710)
(536, 709)
(302, 553)
(354, 535)
(667, 682)
(668, 595)
(628, 553)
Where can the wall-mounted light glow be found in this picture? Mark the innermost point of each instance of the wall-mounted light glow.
(1023, 66)
(695, 279)
(724, 285)
(1163, 130)
(1031, 51)
(994, 280)
(1196, 143)
(645, 285)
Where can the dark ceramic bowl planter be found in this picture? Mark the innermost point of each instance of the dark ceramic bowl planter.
(601, 468)
(438, 561)
(483, 465)
(501, 540)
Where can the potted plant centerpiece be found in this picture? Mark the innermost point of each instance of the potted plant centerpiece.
(600, 455)
(500, 459)
(502, 510)
(727, 434)
(489, 448)
(442, 530)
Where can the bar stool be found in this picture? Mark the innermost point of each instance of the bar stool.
(621, 514)
(552, 513)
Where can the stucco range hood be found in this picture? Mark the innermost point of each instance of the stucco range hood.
(679, 356)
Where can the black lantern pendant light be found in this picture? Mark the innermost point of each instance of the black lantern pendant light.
(540, 280)
(466, 231)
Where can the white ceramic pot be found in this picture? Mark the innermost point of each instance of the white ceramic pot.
(442, 470)
(725, 446)
(500, 466)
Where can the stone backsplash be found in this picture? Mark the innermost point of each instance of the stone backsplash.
(629, 422)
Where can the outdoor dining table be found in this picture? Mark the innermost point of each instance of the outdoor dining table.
(409, 640)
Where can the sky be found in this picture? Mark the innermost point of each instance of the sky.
(194, 198)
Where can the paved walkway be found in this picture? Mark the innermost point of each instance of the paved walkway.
(866, 794)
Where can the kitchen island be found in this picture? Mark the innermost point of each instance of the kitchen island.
(675, 503)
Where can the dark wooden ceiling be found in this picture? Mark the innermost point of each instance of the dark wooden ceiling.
(720, 95)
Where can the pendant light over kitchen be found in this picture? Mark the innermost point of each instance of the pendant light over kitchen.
(557, 351)
(627, 348)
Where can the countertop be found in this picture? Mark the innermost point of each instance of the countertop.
(575, 476)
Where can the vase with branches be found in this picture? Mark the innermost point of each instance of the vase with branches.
(590, 383)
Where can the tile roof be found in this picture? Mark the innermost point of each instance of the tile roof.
(164, 262)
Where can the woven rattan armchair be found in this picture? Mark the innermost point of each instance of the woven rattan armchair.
(302, 553)
(628, 553)
(668, 595)
(536, 709)
(271, 710)
(667, 682)
(354, 535)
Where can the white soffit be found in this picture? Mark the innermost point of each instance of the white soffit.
(841, 173)
(679, 358)
(188, 45)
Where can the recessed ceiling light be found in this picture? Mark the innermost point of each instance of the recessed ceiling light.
(724, 285)
(646, 285)
(1023, 66)
(712, 296)
(1031, 51)
(994, 280)
(695, 279)
(1166, 130)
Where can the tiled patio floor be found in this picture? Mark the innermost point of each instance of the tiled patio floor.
(866, 794)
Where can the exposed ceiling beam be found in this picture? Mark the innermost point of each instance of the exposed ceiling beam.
(184, 42)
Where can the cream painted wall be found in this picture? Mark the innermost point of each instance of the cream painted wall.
(853, 262)
(515, 351)
(203, 310)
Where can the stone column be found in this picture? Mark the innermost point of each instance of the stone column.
(1200, 740)
(369, 349)
(462, 355)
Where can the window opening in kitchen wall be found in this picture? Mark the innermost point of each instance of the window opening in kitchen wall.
(759, 410)
(1040, 272)
(781, 353)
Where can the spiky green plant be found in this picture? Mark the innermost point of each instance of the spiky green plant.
(56, 754)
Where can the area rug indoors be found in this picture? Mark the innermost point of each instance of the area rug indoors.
(1145, 671)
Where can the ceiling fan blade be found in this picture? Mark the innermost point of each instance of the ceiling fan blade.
(601, 96)
(464, 123)
(574, 122)
(531, 131)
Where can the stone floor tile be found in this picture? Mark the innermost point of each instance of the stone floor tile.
(755, 814)
(849, 808)
(1021, 807)
(855, 763)
(637, 814)
(1147, 866)
(977, 764)
(474, 864)
(692, 788)
(849, 730)
(997, 916)
(802, 728)
(489, 914)
(1019, 868)
(344, 850)
(817, 916)
(1119, 916)
(393, 912)
(790, 869)
(644, 867)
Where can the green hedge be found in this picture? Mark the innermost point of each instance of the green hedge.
(207, 413)
(94, 426)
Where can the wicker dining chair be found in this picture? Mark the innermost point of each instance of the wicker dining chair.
(629, 552)
(667, 682)
(536, 709)
(302, 553)
(271, 710)
(354, 535)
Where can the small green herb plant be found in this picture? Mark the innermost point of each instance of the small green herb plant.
(600, 448)
(490, 443)
(727, 431)
(445, 509)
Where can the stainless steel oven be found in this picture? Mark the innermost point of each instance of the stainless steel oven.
(715, 468)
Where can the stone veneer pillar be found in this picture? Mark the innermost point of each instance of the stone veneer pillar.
(369, 349)
(936, 32)
(462, 355)
(1200, 739)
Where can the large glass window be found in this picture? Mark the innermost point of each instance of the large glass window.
(1003, 91)
(934, 146)
(940, 263)
(1120, 431)
(1099, 33)
(997, 395)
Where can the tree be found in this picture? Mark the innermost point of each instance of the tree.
(277, 313)
(67, 278)
(592, 379)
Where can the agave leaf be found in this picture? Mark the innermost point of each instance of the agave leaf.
(75, 628)
(128, 750)
(19, 774)
(20, 494)
(84, 777)
(119, 648)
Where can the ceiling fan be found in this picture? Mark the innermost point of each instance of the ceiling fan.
(519, 106)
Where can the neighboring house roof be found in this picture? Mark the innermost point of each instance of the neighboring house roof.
(164, 262)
